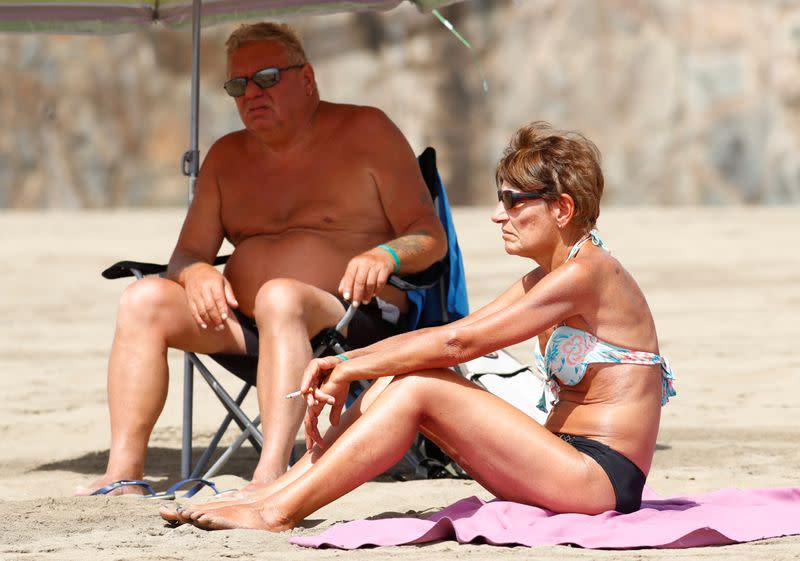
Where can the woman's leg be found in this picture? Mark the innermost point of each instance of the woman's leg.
(503, 449)
(302, 465)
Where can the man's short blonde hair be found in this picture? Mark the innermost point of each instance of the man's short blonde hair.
(268, 31)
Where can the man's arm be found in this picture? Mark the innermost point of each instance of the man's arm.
(420, 239)
(191, 264)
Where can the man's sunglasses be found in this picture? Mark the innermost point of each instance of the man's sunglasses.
(511, 198)
(264, 78)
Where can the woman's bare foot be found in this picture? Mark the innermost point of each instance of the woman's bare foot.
(250, 517)
(106, 479)
(171, 514)
(185, 514)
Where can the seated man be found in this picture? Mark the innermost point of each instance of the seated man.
(322, 202)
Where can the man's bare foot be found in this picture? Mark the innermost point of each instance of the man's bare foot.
(106, 479)
(255, 517)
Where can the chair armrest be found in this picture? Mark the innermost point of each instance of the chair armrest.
(416, 281)
(419, 281)
(138, 269)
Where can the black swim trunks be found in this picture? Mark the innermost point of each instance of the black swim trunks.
(371, 323)
(625, 476)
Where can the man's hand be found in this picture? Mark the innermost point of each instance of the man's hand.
(366, 275)
(209, 294)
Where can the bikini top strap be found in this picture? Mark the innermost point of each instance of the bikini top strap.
(594, 236)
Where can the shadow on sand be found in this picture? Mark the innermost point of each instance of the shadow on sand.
(161, 462)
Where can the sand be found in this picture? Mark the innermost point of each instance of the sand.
(723, 284)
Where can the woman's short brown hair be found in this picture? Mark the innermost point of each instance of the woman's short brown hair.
(268, 31)
(540, 158)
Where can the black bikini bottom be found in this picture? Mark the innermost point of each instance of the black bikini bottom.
(625, 476)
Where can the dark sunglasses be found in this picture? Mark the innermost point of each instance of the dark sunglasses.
(510, 198)
(264, 78)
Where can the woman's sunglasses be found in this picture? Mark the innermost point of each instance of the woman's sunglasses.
(511, 198)
(264, 78)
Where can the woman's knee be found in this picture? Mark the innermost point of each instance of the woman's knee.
(418, 387)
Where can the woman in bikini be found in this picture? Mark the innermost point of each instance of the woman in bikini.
(599, 351)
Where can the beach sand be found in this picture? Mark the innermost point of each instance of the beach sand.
(723, 284)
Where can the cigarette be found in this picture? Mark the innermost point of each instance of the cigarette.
(293, 394)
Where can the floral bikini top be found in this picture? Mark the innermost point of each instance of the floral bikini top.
(570, 351)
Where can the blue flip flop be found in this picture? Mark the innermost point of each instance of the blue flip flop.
(199, 483)
(151, 493)
(167, 495)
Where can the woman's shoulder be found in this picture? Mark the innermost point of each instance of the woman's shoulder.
(598, 263)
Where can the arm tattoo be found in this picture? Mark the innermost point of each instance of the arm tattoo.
(412, 243)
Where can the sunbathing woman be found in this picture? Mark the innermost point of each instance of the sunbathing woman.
(597, 445)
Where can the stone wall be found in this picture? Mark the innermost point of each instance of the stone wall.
(691, 102)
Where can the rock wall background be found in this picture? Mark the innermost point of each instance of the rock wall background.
(691, 102)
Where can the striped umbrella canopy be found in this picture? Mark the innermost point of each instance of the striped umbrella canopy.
(116, 16)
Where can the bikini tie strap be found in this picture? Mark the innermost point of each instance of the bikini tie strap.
(594, 236)
(667, 382)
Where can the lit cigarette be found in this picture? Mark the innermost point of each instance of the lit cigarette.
(293, 394)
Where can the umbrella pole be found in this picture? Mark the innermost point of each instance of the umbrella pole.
(191, 165)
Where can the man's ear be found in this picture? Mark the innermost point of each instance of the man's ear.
(309, 81)
(563, 210)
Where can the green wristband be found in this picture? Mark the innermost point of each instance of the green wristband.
(342, 358)
(393, 253)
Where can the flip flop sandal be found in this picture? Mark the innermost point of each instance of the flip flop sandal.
(198, 484)
(151, 493)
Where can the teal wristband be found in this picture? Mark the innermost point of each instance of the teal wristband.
(342, 358)
(393, 253)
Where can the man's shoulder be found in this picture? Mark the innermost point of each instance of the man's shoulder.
(232, 140)
(350, 115)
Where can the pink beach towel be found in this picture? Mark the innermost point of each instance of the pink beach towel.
(718, 518)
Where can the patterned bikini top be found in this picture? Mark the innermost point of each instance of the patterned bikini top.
(570, 351)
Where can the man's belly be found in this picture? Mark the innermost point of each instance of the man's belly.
(315, 258)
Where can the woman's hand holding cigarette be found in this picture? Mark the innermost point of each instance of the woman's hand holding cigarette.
(320, 386)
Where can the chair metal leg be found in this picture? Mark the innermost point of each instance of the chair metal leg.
(212, 446)
(188, 394)
(228, 402)
(230, 450)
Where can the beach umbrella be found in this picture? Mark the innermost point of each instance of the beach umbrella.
(118, 16)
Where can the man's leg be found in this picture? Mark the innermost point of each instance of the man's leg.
(153, 315)
(288, 313)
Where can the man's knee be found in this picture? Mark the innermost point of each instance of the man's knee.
(145, 301)
(280, 300)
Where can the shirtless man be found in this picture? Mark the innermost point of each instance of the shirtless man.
(305, 192)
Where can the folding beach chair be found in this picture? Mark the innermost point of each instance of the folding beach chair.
(436, 295)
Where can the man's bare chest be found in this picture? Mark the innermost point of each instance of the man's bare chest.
(261, 200)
